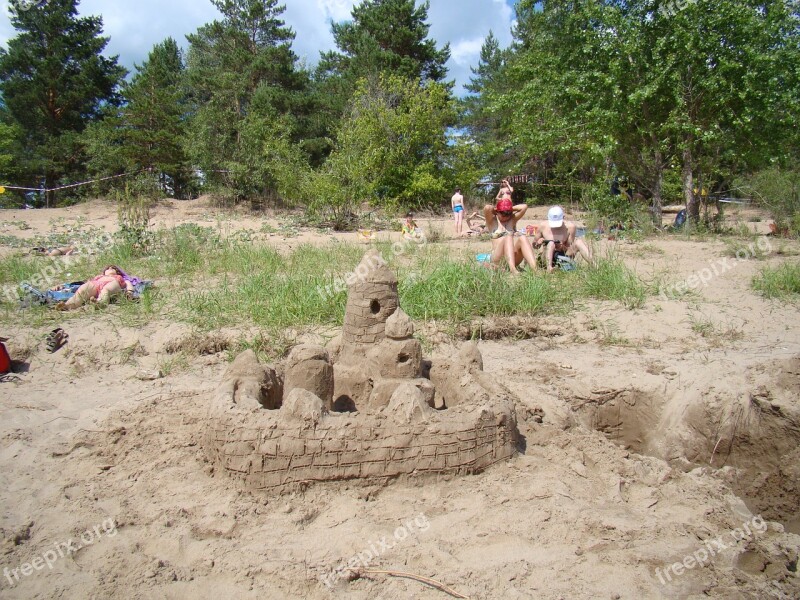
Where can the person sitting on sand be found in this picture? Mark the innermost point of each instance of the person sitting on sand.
(100, 289)
(410, 229)
(501, 222)
(476, 224)
(558, 238)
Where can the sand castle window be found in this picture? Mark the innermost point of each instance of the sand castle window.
(375, 307)
(403, 357)
(344, 404)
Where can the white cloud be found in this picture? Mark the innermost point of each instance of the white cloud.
(135, 26)
(466, 52)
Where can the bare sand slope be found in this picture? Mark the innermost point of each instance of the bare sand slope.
(668, 435)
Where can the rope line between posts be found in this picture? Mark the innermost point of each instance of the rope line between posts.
(71, 185)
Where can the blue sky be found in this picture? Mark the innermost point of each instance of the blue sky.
(135, 26)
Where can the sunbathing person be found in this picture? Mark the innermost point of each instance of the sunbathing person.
(99, 289)
(501, 222)
(62, 251)
(558, 238)
(476, 224)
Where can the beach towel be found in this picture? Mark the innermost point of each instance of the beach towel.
(32, 296)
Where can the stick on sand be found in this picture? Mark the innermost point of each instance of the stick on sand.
(431, 582)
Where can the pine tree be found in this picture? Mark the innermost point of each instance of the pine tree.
(246, 91)
(154, 118)
(384, 36)
(54, 82)
(479, 117)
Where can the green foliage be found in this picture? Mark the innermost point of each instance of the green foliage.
(246, 89)
(614, 210)
(779, 190)
(383, 36)
(135, 200)
(51, 91)
(590, 88)
(388, 150)
(480, 115)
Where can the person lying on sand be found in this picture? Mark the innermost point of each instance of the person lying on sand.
(476, 225)
(501, 222)
(62, 251)
(99, 289)
(558, 238)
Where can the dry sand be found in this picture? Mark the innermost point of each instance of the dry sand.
(669, 434)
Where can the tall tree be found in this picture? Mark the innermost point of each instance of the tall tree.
(155, 117)
(54, 81)
(148, 131)
(242, 75)
(482, 120)
(390, 148)
(605, 83)
(384, 36)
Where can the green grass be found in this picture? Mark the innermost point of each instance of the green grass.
(778, 282)
(610, 279)
(213, 282)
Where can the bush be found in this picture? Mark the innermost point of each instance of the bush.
(610, 210)
(779, 190)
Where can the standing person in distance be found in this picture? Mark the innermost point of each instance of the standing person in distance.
(457, 203)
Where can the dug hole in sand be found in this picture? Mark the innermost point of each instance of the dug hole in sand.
(657, 471)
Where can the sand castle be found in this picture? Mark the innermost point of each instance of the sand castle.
(367, 406)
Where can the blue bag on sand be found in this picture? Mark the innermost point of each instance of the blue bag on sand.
(484, 257)
(565, 263)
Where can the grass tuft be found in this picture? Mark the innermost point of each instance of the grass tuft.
(782, 281)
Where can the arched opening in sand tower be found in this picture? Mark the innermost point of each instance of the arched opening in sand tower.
(344, 404)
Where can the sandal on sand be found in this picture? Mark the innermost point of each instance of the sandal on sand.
(55, 339)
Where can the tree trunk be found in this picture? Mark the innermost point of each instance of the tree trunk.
(658, 182)
(692, 207)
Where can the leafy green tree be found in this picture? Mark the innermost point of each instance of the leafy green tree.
(390, 148)
(54, 81)
(384, 36)
(731, 70)
(242, 75)
(632, 86)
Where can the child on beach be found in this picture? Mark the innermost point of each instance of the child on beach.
(457, 203)
(410, 229)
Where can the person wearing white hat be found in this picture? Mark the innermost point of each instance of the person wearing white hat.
(558, 237)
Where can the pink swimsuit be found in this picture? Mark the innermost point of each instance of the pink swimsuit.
(101, 281)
